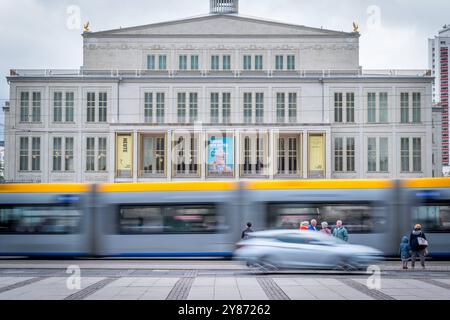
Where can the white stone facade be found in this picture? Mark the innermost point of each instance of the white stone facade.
(130, 116)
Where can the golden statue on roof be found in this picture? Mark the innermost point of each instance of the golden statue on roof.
(86, 27)
(355, 27)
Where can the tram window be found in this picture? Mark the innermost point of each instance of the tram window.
(39, 220)
(357, 218)
(432, 217)
(171, 219)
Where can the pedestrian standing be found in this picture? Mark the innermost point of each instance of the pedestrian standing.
(325, 229)
(419, 244)
(304, 226)
(313, 225)
(405, 252)
(340, 232)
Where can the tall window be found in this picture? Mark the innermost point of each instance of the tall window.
(417, 101)
(339, 154)
(24, 106)
(226, 62)
(90, 154)
(404, 107)
(254, 154)
(153, 155)
(384, 155)
(57, 106)
(96, 154)
(417, 154)
(372, 107)
(101, 154)
(69, 154)
(194, 62)
(162, 62)
(247, 62)
(24, 154)
(292, 107)
(372, 154)
(70, 105)
(281, 108)
(383, 107)
(378, 154)
(160, 107)
(57, 154)
(351, 154)
(181, 110)
(36, 112)
(102, 106)
(193, 107)
(404, 154)
(248, 117)
(226, 107)
(338, 104)
(186, 154)
(291, 62)
(279, 62)
(410, 113)
(258, 62)
(148, 107)
(350, 103)
(259, 107)
(151, 62)
(288, 155)
(214, 108)
(215, 62)
(35, 154)
(182, 65)
(91, 107)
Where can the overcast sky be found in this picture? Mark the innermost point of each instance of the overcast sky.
(45, 33)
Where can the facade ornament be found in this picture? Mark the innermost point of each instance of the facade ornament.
(355, 27)
(86, 27)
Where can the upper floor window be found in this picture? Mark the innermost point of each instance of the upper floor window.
(97, 101)
(162, 62)
(291, 102)
(258, 62)
(226, 62)
(377, 107)
(215, 62)
(63, 106)
(291, 62)
(410, 109)
(279, 62)
(194, 62)
(35, 107)
(183, 64)
(342, 114)
(183, 109)
(247, 62)
(253, 106)
(220, 108)
(151, 62)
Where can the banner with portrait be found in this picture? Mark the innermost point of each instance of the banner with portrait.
(220, 156)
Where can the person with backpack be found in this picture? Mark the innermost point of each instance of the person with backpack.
(419, 244)
(247, 231)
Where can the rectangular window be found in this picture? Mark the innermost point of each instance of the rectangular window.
(350, 97)
(69, 155)
(417, 101)
(57, 154)
(181, 109)
(160, 107)
(351, 154)
(435, 217)
(293, 107)
(384, 155)
(291, 62)
(57, 106)
(148, 107)
(281, 107)
(36, 112)
(279, 62)
(24, 154)
(372, 154)
(70, 105)
(226, 107)
(153, 155)
(248, 108)
(24, 106)
(404, 154)
(404, 107)
(227, 62)
(258, 62)
(101, 156)
(215, 62)
(417, 154)
(36, 154)
(151, 62)
(259, 107)
(254, 155)
(90, 154)
(182, 65)
(288, 155)
(193, 107)
(162, 62)
(90, 107)
(102, 106)
(247, 62)
(214, 108)
(194, 63)
(338, 155)
(371, 107)
(186, 155)
(383, 107)
(338, 105)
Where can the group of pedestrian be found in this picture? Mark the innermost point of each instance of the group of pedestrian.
(415, 246)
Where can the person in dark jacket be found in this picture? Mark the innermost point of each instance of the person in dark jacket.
(405, 252)
(418, 248)
(247, 231)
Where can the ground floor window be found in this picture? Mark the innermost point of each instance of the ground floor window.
(254, 154)
(124, 156)
(220, 160)
(288, 155)
(153, 155)
(186, 161)
(316, 156)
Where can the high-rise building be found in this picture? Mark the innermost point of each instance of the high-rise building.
(220, 96)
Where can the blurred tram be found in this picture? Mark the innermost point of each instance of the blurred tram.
(205, 219)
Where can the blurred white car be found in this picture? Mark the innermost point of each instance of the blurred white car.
(292, 249)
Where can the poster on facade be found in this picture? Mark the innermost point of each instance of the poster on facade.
(316, 156)
(124, 156)
(220, 156)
